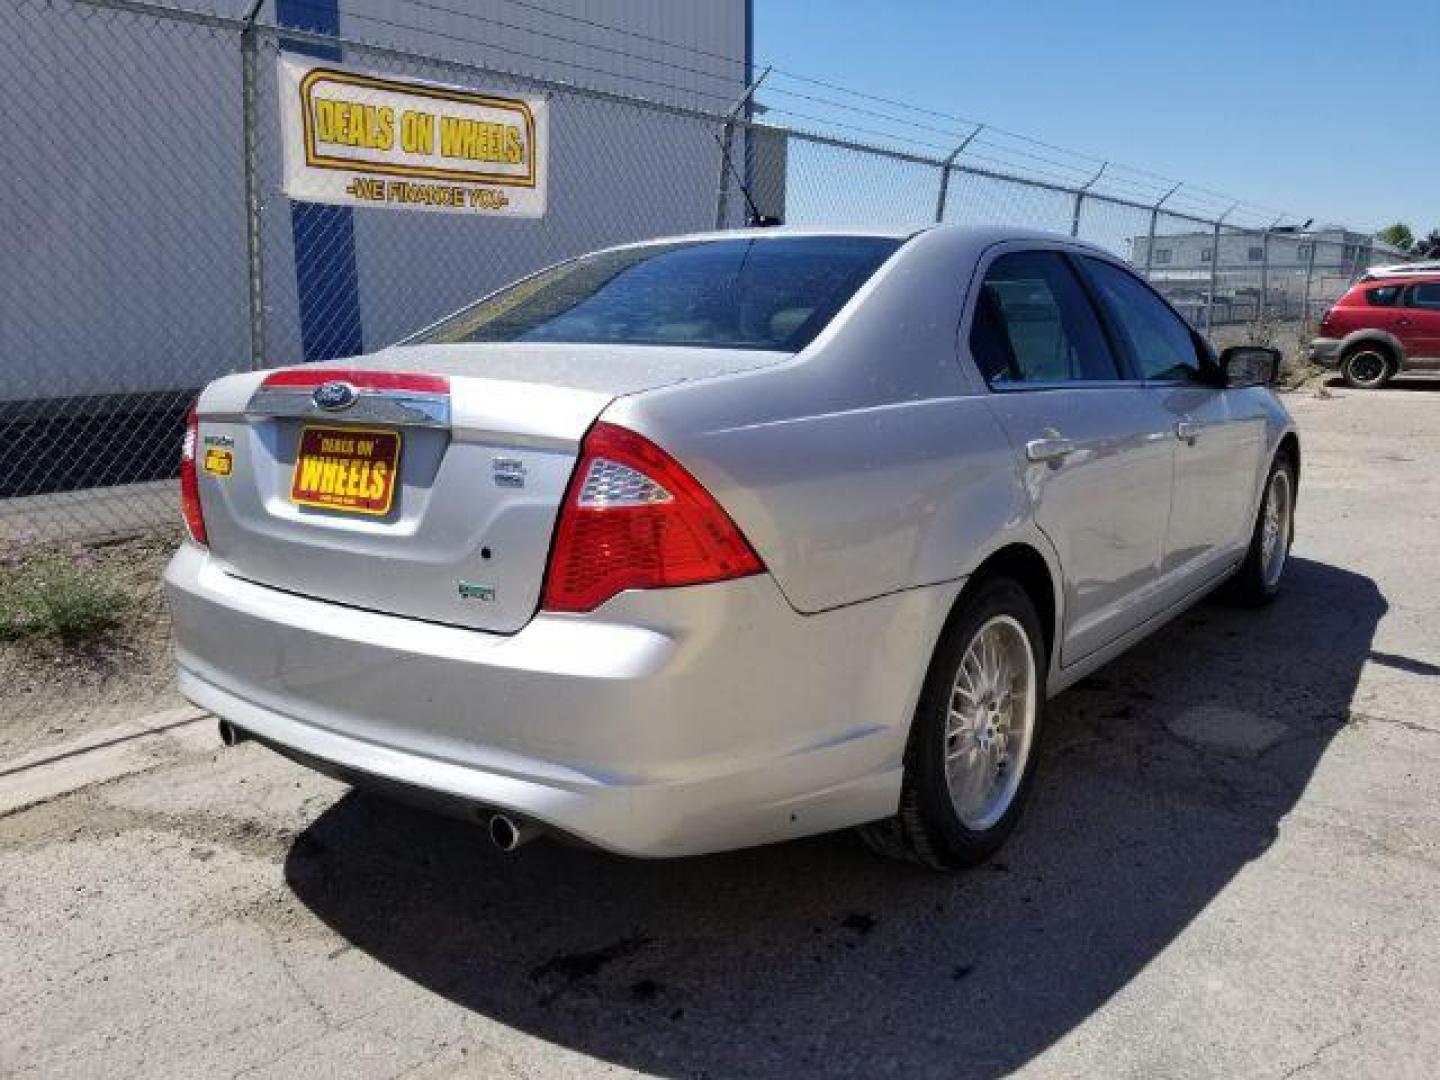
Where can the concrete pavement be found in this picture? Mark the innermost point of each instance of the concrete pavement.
(1231, 868)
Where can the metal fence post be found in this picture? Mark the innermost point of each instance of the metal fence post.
(1214, 281)
(945, 168)
(1265, 270)
(250, 125)
(727, 164)
(1080, 198)
(1215, 272)
(1309, 277)
(722, 198)
(1264, 274)
(1154, 220)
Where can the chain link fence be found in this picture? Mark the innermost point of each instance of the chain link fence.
(149, 248)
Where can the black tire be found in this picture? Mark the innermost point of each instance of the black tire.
(927, 829)
(1255, 583)
(1367, 366)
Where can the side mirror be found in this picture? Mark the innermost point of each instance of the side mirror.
(1250, 365)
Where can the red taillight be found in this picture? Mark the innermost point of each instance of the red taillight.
(190, 481)
(633, 518)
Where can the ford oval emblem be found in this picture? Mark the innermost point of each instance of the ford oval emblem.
(333, 396)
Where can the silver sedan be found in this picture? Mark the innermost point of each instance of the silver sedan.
(726, 539)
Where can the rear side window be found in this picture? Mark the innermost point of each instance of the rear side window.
(1426, 295)
(746, 293)
(1385, 296)
(1159, 342)
(1034, 323)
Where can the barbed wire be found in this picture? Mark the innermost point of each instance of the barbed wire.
(1162, 182)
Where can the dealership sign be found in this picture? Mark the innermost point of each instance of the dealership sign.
(357, 139)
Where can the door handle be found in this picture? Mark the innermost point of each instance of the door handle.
(1188, 430)
(1051, 448)
(1402, 322)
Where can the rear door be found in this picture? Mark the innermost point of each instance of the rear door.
(1217, 435)
(1094, 448)
(1421, 332)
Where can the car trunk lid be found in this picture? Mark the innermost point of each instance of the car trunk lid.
(422, 481)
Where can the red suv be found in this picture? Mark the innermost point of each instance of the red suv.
(1384, 325)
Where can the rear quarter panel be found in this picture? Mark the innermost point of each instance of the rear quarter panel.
(867, 464)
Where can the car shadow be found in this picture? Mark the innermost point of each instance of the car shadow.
(1163, 776)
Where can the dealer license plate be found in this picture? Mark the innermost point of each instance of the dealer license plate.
(348, 469)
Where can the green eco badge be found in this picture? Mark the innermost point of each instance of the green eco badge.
(472, 590)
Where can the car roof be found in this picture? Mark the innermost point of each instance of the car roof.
(981, 236)
(1415, 277)
(1422, 266)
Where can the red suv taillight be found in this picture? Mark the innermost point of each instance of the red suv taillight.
(190, 481)
(634, 518)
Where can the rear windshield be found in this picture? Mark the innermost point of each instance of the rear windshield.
(746, 293)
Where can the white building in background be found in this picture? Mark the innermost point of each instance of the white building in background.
(1333, 251)
(1287, 265)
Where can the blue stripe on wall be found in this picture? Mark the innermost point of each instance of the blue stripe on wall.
(327, 281)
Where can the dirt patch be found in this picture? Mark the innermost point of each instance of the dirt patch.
(54, 686)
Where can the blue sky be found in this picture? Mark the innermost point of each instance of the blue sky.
(1326, 109)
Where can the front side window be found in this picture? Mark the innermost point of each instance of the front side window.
(1385, 296)
(1426, 295)
(774, 293)
(1033, 323)
(1158, 341)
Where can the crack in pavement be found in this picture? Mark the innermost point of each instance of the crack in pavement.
(1324, 1048)
(1356, 716)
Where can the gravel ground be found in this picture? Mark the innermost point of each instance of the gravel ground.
(1230, 869)
(50, 692)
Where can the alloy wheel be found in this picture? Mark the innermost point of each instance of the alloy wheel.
(991, 722)
(1275, 532)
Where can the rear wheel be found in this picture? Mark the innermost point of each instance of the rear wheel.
(971, 758)
(1367, 367)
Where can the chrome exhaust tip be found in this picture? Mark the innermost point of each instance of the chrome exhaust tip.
(230, 735)
(507, 834)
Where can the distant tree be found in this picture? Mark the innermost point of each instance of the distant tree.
(1397, 235)
(1429, 247)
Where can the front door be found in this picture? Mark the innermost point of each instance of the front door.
(1095, 450)
(1219, 447)
(1217, 435)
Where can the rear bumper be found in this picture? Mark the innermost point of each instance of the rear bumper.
(1325, 351)
(666, 723)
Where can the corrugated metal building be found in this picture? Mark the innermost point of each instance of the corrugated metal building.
(125, 251)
